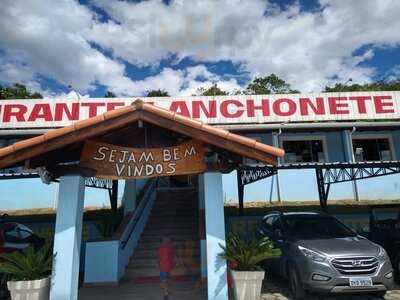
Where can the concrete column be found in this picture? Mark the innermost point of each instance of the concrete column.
(349, 154)
(129, 196)
(275, 142)
(215, 236)
(67, 238)
(202, 230)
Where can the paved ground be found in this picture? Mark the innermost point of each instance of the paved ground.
(278, 289)
(273, 289)
(131, 291)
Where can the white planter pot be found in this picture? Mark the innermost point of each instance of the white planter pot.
(247, 285)
(30, 290)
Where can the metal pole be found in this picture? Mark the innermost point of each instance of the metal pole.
(321, 189)
(272, 190)
(240, 193)
(348, 143)
(275, 142)
(114, 196)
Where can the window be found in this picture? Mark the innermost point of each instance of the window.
(386, 213)
(308, 227)
(5, 143)
(304, 151)
(372, 149)
(269, 221)
(249, 161)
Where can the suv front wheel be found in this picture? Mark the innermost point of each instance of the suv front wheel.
(296, 287)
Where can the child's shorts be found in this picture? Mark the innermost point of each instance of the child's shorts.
(164, 276)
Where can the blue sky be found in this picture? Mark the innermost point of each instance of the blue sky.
(130, 47)
(295, 185)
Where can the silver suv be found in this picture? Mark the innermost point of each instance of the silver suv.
(321, 254)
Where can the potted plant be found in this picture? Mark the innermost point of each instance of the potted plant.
(29, 273)
(245, 256)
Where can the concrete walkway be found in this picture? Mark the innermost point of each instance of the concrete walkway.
(131, 291)
(273, 289)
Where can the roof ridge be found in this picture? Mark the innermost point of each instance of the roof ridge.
(141, 108)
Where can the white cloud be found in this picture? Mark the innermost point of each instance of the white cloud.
(306, 48)
(182, 82)
(393, 73)
(49, 42)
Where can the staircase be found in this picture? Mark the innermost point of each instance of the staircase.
(175, 214)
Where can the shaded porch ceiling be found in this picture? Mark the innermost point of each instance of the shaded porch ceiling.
(140, 125)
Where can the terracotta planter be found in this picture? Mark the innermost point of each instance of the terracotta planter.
(32, 290)
(247, 284)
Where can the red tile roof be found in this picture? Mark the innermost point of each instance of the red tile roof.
(115, 119)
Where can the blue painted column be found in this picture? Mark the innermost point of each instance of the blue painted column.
(202, 230)
(349, 154)
(129, 196)
(215, 236)
(67, 238)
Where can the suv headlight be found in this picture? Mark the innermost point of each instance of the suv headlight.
(312, 254)
(382, 253)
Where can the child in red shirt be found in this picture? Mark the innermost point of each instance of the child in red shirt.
(166, 262)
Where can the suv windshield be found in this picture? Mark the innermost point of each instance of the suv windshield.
(307, 227)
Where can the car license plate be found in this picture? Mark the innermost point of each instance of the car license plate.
(360, 282)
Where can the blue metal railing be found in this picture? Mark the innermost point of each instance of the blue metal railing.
(106, 260)
(143, 201)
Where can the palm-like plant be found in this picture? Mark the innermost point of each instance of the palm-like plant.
(29, 265)
(248, 254)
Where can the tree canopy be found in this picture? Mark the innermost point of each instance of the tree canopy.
(270, 84)
(157, 93)
(393, 85)
(212, 91)
(109, 95)
(18, 91)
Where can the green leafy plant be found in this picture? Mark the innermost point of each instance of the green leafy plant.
(29, 265)
(109, 222)
(246, 254)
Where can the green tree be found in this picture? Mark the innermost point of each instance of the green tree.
(157, 93)
(270, 84)
(18, 91)
(389, 85)
(109, 95)
(211, 91)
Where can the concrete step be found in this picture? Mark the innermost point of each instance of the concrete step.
(175, 198)
(154, 245)
(151, 253)
(169, 230)
(132, 273)
(172, 219)
(175, 231)
(151, 262)
(173, 212)
(184, 209)
(176, 192)
(157, 238)
(184, 197)
(172, 226)
(183, 200)
(172, 222)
